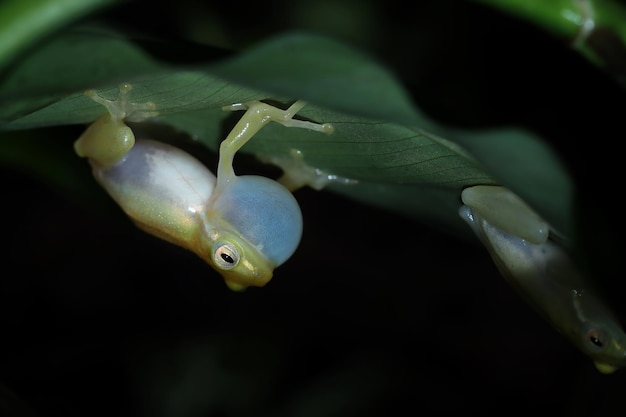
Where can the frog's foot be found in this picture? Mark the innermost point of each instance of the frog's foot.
(505, 210)
(121, 108)
(297, 174)
(284, 117)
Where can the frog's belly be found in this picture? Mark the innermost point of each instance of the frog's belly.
(161, 188)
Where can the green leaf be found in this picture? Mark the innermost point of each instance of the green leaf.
(381, 139)
(318, 68)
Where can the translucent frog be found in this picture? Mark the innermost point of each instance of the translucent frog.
(519, 243)
(243, 226)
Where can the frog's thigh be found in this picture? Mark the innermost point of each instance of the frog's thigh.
(503, 209)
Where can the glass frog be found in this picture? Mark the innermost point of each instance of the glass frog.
(243, 226)
(541, 270)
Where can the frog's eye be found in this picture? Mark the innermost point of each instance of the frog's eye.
(226, 256)
(596, 339)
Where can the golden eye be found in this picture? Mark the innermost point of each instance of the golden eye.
(596, 339)
(226, 256)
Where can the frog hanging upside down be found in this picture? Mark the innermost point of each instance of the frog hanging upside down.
(243, 226)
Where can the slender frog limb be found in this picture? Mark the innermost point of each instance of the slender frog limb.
(297, 174)
(258, 114)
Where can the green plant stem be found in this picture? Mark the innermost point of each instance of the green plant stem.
(596, 28)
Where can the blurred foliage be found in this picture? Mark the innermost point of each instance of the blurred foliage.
(596, 27)
(103, 320)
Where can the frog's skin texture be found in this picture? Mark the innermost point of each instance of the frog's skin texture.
(243, 226)
(546, 276)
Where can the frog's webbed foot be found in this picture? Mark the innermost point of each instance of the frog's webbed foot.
(297, 173)
(284, 117)
(121, 108)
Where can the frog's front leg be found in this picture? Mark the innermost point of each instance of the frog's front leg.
(296, 172)
(257, 115)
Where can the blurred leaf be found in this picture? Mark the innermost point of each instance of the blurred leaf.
(353, 389)
(597, 28)
(318, 69)
(22, 22)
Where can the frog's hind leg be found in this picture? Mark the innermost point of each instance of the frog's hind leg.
(108, 139)
(297, 173)
(257, 115)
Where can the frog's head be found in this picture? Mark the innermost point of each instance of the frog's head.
(253, 226)
(603, 341)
